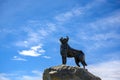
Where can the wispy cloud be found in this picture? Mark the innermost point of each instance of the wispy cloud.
(68, 14)
(35, 37)
(37, 72)
(107, 70)
(78, 11)
(111, 22)
(36, 75)
(32, 38)
(33, 51)
(4, 77)
(102, 39)
(18, 58)
(95, 3)
(100, 36)
(47, 57)
(103, 32)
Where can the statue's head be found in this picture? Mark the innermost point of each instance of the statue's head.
(64, 40)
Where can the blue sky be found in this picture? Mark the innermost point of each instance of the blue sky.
(30, 32)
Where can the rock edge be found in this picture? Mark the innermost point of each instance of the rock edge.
(63, 72)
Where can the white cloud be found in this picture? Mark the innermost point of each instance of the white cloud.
(29, 53)
(47, 57)
(35, 48)
(18, 58)
(41, 51)
(35, 37)
(107, 70)
(33, 51)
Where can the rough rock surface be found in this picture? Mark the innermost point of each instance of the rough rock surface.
(63, 72)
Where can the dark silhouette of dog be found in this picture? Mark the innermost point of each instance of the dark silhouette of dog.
(67, 51)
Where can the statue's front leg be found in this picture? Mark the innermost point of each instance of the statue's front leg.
(63, 59)
(64, 55)
(77, 61)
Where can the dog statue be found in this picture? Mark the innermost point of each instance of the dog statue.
(67, 51)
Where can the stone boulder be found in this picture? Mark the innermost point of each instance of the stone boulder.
(63, 72)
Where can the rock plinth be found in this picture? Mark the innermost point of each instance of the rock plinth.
(63, 72)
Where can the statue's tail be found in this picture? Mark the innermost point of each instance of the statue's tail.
(82, 58)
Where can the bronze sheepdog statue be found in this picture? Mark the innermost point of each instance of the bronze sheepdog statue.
(67, 51)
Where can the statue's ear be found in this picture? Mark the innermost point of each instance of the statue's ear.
(67, 38)
(61, 38)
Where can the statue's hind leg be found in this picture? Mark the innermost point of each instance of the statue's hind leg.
(84, 64)
(77, 61)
